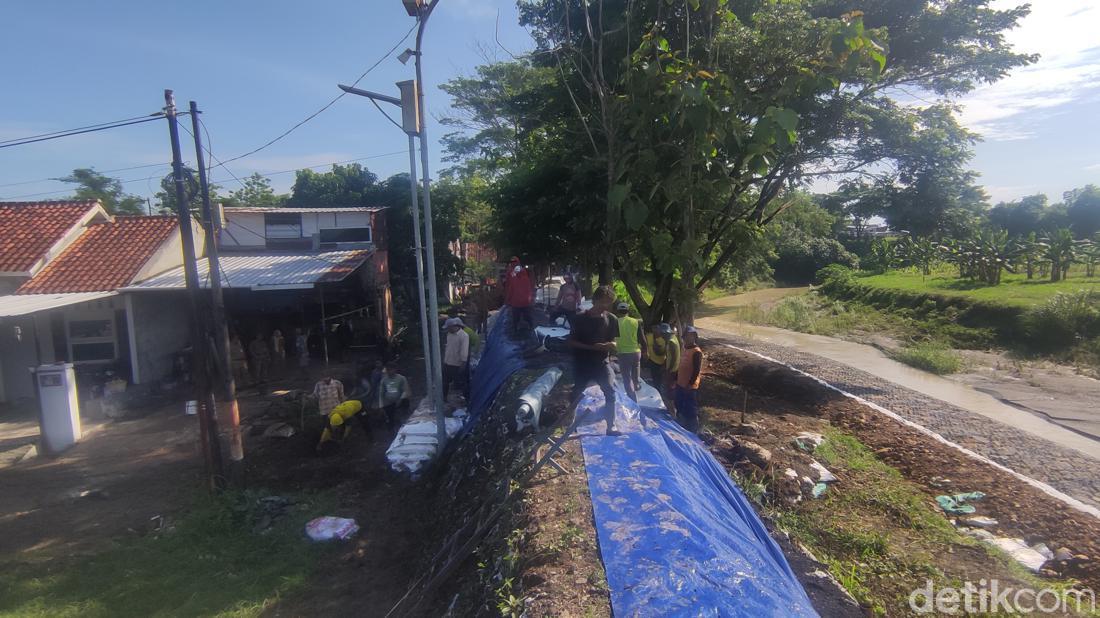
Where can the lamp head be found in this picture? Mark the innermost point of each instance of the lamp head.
(412, 7)
(405, 55)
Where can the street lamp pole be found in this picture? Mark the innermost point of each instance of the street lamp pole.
(423, 12)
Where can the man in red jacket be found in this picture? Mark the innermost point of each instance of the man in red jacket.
(519, 294)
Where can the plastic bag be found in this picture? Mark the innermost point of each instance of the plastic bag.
(328, 528)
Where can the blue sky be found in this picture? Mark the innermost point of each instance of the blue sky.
(256, 68)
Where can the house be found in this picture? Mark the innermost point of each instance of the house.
(321, 270)
(65, 269)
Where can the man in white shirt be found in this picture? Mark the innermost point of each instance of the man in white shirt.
(456, 356)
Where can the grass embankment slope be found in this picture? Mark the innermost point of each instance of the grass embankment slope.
(1015, 289)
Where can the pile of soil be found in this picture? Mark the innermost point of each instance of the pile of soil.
(788, 402)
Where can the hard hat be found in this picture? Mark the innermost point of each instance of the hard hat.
(622, 307)
(335, 419)
(664, 328)
(690, 329)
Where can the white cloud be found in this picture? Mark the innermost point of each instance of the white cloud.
(474, 9)
(1010, 193)
(1063, 33)
(1093, 168)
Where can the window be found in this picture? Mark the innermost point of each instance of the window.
(283, 225)
(92, 340)
(346, 234)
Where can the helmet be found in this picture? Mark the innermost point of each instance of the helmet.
(622, 307)
(664, 329)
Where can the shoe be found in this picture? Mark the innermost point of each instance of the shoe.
(612, 432)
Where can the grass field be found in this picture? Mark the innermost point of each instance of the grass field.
(211, 563)
(1014, 289)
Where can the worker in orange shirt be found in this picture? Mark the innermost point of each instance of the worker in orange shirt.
(688, 378)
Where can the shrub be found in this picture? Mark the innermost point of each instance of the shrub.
(930, 356)
(795, 313)
(800, 257)
(1063, 320)
(834, 272)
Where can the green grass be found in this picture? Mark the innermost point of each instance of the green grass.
(211, 564)
(814, 314)
(1015, 289)
(930, 356)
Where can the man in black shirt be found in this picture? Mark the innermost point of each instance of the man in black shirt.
(592, 339)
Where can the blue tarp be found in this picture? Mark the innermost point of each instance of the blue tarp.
(677, 536)
(500, 358)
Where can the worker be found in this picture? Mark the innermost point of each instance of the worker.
(593, 340)
(688, 377)
(329, 393)
(339, 417)
(301, 347)
(278, 347)
(629, 350)
(239, 361)
(393, 394)
(663, 356)
(568, 297)
(519, 294)
(456, 356)
(261, 358)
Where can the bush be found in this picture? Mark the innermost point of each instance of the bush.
(833, 272)
(930, 356)
(1063, 320)
(797, 313)
(800, 257)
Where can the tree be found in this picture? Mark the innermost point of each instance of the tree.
(344, 186)
(1084, 210)
(256, 191)
(703, 114)
(1022, 217)
(1061, 251)
(95, 186)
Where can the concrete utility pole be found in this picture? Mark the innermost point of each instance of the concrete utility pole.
(422, 14)
(200, 375)
(220, 333)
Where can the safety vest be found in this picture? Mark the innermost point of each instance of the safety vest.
(687, 367)
(663, 353)
(627, 341)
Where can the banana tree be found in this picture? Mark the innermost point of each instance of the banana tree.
(1090, 249)
(1029, 253)
(1062, 251)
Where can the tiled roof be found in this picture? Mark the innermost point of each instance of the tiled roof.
(230, 210)
(106, 257)
(29, 229)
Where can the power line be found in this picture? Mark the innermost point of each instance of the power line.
(55, 178)
(89, 129)
(326, 106)
(268, 175)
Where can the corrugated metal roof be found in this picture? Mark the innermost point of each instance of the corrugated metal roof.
(24, 304)
(267, 271)
(262, 210)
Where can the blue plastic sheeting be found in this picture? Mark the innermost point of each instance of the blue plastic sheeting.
(500, 358)
(677, 536)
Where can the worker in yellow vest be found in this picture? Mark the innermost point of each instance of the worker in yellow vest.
(688, 377)
(629, 350)
(663, 355)
(337, 427)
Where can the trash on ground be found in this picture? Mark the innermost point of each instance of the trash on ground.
(328, 528)
(819, 490)
(416, 442)
(979, 521)
(978, 533)
(1020, 552)
(279, 430)
(791, 474)
(823, 474)
(808, 441)
(956, 504)
(1043, 550)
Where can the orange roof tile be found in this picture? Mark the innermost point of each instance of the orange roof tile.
(29, 229)
(107, 256)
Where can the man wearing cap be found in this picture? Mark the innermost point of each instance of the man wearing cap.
(592, 339)
(663, 354)
(629, 349)
(519, 294)
(456, 355)
(688, 378)
(339, 417)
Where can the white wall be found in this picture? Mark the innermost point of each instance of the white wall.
(170, 254)
(243, 231)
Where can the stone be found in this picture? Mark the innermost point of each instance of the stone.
(279, 430)
(808, 441)
(1063, 553)
(756, 454)
(748, 429)
(979, 521)
(1042, 549)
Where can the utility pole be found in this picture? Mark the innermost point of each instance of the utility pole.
(228, 391)
(423, 13)
(208, 424)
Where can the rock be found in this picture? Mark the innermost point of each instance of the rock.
(279, 430)
(978, 533)
(748, 429)
(756, 454)
(791, 474)
(1063, 553)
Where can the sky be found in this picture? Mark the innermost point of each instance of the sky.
(257, 68)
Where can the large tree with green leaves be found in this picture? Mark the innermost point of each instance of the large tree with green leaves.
(256, 191)
(682, 127)
(91, 185)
